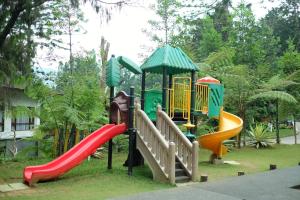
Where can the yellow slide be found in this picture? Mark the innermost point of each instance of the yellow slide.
(229, 126)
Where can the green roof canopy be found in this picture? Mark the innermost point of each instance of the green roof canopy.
(113, 72)
(129, 64)
(174, 59)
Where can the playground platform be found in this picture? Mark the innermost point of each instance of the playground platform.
(275, 185)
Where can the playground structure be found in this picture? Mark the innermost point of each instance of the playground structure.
(184, 98)
(171, 155)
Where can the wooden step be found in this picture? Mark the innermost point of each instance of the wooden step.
(177, 165)
(182, 179)
(179, 172)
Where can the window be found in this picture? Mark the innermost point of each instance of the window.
(1, 118)
(22, 123)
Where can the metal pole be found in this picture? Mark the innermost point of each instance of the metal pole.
(131, 130)
(193, 97)
(170, 80)
(170, 87)
(164, 89)
(143, 90)
(110, 143)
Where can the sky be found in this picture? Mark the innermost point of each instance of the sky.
(123, 31)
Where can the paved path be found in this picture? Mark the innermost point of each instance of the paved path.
(271, 185)
(290, 140)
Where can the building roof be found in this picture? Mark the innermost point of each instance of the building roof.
(174, 59)
(16, 97)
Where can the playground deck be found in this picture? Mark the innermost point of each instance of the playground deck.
(276, 184)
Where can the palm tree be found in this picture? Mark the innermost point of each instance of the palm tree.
(274, 90)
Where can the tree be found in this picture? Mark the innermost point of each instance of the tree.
(86, 110)
(165, 27)
(210, 39)
(23, 23)
(285, 22)
(274, 90)
(104, 49)
(222, 18)
(289, 62)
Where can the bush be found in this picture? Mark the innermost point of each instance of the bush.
(259, 136)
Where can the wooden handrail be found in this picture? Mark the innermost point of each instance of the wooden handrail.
(161, 150)
(186, 152)
(167, 119)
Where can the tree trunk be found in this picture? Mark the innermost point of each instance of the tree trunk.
(277, 124)
(104, 49)
(295, 131)
(238, 137)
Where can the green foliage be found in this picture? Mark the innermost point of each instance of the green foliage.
(42, 147)
(121, 143)
(282, 96)
(76, 101)
(284, 21)
(165, 27)
(289, 62)
(211, 40)
(259, 136)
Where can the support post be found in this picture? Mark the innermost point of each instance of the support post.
(143, 90)
(273, 166)
(170, 87)
(193, 97)
(172, 162)
(195, 161)
(131, 131)
(241, 173)
(204, 178)
(110, 143)
(170, 80)
(164, 89)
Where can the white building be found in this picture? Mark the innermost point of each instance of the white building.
(23, 126)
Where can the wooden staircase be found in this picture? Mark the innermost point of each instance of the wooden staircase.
(181, 176)
(169, 154)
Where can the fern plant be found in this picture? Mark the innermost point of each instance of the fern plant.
(259, 136)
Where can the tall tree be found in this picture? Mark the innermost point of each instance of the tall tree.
(165, 27)
(285, 22)
(24, 22)
(222, 18)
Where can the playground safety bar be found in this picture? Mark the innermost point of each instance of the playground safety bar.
(158, 149)
(186, 152)
(202, 98)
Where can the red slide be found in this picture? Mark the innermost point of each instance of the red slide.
(74, 156)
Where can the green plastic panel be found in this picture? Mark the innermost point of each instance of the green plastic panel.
(129, 64)
(152, 98)
(113, 72)
(216, 95)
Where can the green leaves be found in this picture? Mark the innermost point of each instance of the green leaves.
(274, 95)
(259, 136)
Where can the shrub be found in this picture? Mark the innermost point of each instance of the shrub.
(259, 136)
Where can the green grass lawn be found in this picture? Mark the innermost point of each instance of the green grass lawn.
(91, 180)
(251, 160)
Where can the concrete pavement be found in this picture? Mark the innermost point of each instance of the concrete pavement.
(270, 185)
